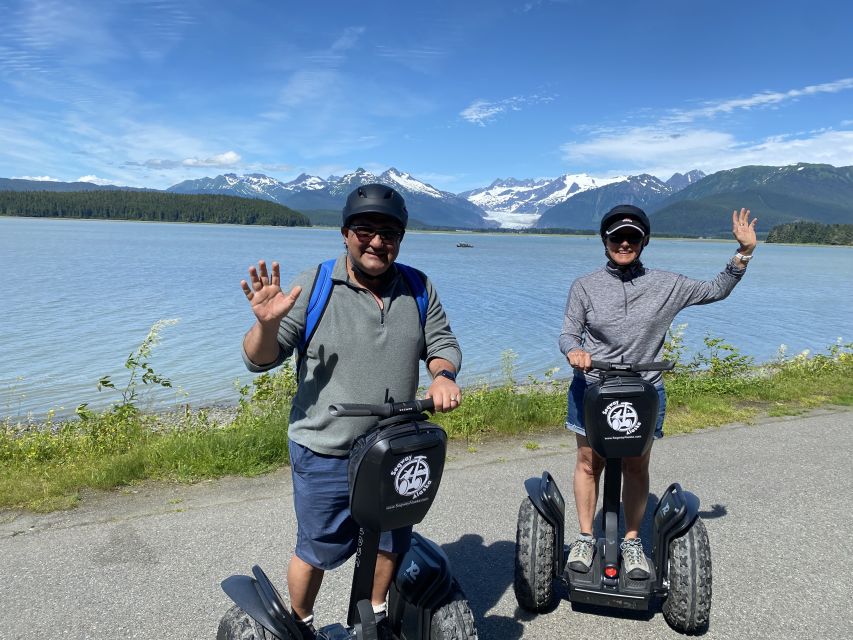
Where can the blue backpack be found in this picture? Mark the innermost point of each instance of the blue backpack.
(321, 290)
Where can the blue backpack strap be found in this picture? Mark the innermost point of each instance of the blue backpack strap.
(321, 290)
(417, 286)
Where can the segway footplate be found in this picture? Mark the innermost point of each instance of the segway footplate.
(588, 588)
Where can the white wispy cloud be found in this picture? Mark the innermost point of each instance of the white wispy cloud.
(662, 153)
(310, 86)
(530, 5)
(348, 39)
(411, 56)
(758, 100)
(94, 180)
(37, 178)
(227, 159)
(335, 55)
(482, 112)
(684, 139)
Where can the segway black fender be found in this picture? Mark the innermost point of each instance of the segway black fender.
(423, 582)
(549, 502)
(676, 512)
(260, 600)
(423, 577)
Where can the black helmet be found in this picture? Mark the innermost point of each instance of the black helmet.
(376, 198)
(625, 215)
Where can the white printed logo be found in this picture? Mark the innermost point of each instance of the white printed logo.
(622, 417)
(411, 476)
(413, 571)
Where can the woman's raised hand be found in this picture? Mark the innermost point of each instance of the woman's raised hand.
(744, 230)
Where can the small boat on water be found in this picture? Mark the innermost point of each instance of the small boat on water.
(464, 245)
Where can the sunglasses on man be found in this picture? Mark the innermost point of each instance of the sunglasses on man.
(366, 233)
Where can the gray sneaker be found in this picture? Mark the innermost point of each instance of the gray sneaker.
(634, 559)
(581, 554)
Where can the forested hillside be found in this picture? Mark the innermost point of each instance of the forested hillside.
(148, 205)
(812, 233)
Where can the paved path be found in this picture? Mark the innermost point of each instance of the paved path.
(147, 562)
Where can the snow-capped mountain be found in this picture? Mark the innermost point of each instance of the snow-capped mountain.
(253, 185)
(311, 193)
(507, 203)
(584, 210)
(533, 196)
(679, 181)
(521, 203)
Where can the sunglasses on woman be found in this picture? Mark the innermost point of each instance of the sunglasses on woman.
(631, 238)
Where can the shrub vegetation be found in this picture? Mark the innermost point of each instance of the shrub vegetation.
(45, 467)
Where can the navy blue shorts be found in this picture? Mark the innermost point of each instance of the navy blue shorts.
(326, 534)
(574, 415)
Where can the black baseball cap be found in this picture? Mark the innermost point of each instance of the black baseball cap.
(625, 216)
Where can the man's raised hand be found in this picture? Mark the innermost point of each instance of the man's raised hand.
(269, 303)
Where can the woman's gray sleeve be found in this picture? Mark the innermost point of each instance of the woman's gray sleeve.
(574, 320)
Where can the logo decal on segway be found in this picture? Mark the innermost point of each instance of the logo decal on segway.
(622, 417)
(413, 571)
(411, 476)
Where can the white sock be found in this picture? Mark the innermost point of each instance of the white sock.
(307, 619)
(380, 610)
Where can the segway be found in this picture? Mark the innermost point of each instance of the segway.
(620, 413)
(394, 473)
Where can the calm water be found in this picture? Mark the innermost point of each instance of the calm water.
(79, 296)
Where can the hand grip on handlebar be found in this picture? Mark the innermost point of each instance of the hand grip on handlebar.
(387, 410)
(627, 366)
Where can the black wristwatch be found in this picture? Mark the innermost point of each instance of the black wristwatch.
(446, 373)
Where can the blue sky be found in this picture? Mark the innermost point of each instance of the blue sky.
(153, 92)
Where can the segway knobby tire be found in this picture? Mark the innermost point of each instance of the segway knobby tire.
(236, 624)
(534, 559)
(687, 608)
(454, 619)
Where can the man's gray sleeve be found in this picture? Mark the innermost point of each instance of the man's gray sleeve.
(438, 336)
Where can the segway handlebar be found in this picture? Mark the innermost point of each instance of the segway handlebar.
(387, 410)
(627, 366)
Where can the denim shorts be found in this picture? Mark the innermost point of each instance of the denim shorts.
(574, 415)
(326, 534)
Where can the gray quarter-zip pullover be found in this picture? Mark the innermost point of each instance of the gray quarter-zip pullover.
(613, 314)
(359, 353)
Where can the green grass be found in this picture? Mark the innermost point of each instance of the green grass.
(47, 469)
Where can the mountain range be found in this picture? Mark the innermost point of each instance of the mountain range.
(687, 204)
(313, 194)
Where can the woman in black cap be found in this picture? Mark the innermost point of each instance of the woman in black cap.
(624, 310)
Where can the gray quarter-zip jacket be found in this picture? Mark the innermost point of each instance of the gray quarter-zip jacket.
(359, 353)
(613, 314)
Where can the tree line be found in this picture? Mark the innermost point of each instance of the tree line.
(812, 233)
(156, 206)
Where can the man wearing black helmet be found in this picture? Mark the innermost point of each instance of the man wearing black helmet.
(365, 347)
(624, 310)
